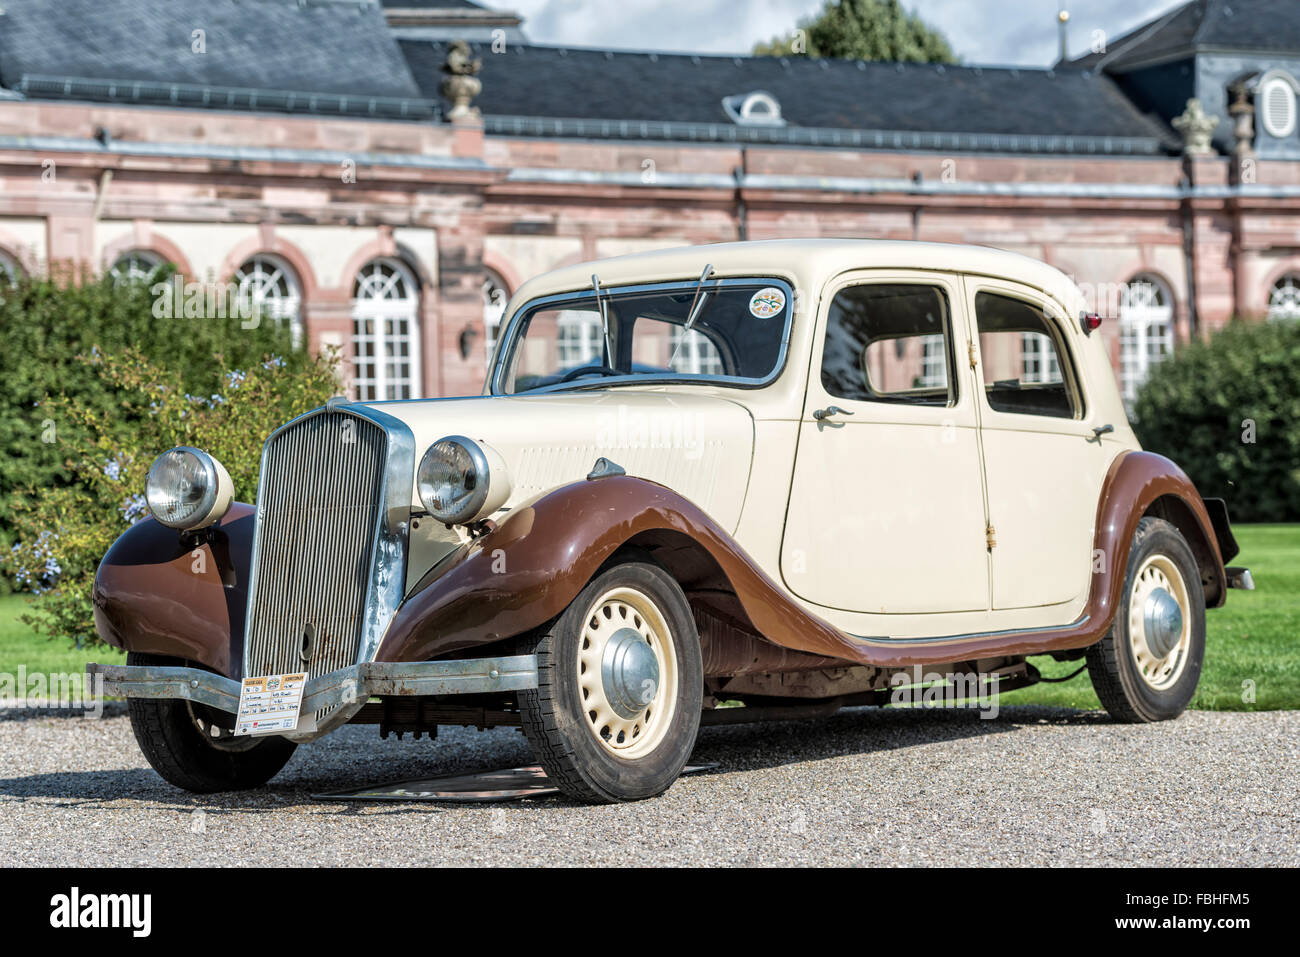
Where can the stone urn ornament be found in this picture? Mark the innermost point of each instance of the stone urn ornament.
(1196, 128)
(461, 84)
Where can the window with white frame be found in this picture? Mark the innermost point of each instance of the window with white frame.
(934, 363)
(578, 339)
(136, 266)
(693, 353)
(495, 297)
(1284, 298)
(386, 332)
(270, 287)
(1038, 359)
(1146, 332)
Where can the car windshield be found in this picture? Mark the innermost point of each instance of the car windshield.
(640, 333)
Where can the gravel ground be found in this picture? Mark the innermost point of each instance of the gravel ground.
(1036, 786)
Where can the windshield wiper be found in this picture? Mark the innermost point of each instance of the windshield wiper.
(697, 307)
(604, 322)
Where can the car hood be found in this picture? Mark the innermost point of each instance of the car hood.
(701, 446)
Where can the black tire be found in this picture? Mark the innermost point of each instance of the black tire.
(190, 744)
(1112, 662)
(564, 737)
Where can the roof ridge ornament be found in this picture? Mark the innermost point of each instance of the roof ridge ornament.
(1196, 128)
(461, 84)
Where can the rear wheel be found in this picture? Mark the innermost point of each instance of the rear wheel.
(620, 687)
(194, 746)
(1148, 665)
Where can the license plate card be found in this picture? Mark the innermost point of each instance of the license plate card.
(270, 704)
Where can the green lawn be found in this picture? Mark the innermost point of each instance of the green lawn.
(1255, 637)
(19, 646)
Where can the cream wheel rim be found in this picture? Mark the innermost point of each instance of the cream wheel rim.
(1159, 627)
(627, 673)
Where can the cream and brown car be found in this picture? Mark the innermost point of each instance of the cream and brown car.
(797, 475)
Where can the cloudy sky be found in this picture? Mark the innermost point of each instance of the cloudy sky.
(1019, 32)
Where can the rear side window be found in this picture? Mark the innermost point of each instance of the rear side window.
(1026, 369)
(890, 342)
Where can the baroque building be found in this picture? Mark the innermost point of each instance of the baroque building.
(383, 175)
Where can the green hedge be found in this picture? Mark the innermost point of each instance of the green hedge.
(64, 530)
(46, 323)
(1228, 412)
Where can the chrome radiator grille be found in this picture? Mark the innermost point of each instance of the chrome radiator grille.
(319, 499)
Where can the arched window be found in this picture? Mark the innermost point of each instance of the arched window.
(10, 271)
(1146, 331)
(495, 297)
(271, 287)
(386, 332)
(136, 266)
(755, 108)
(1284, 297)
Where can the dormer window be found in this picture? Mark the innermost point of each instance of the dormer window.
(756, 108)
(1276, 102)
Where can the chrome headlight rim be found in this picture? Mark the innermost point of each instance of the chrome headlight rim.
(471, 509)
(210, 508)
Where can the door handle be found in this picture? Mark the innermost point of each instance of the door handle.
(827, 412)
(1101, 430)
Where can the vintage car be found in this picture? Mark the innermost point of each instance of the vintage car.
(794, 475)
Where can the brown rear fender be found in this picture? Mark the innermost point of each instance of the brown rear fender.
(527, 570)
(155, 593)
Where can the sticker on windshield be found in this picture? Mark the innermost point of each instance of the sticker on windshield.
(766, 303)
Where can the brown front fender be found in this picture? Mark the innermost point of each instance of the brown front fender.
(155, 593)
(528, 569)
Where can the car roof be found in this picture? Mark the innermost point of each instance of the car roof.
(809, 262)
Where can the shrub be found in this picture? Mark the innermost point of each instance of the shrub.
(1228, 412)
(65, 529)
(45, 323)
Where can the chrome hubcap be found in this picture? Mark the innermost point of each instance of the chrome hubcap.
(629, 672)
(1164, 622)
(1159, 634)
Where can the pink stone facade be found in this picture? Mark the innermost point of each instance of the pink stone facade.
(84, 184)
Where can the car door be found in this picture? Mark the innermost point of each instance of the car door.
(1043, 463)
(886, 510)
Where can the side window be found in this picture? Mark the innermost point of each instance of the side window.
(1023, 358)
(890, 342)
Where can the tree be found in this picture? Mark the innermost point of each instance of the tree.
(1228, 412)
(863, 30)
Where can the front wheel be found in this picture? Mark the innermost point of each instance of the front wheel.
(1148, 665)
(620, 688)
(194, 746)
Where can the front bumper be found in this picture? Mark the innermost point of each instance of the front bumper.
(340, 693)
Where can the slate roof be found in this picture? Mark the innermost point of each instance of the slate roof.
(431, 5)
(343, 52)
(1271, 26)
(340, 56)
(553, 82)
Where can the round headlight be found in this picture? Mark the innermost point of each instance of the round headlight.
(187, 488)
(461, 481)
